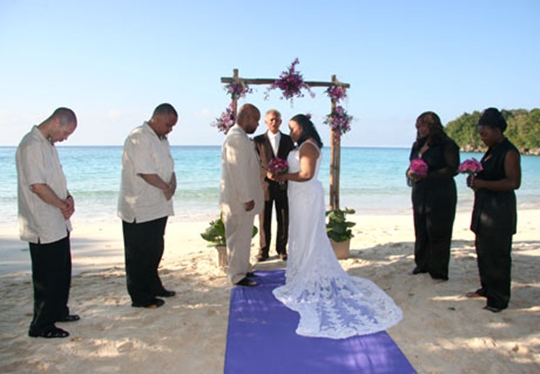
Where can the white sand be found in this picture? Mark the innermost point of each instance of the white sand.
(442, 331)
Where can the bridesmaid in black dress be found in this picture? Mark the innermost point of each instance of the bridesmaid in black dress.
(434, 196)
(494, 216)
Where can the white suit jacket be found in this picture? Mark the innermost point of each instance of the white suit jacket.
(240, 174)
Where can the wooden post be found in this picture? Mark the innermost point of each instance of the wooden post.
(235, 100)
(334, 161)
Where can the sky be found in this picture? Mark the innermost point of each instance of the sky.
(113, 62)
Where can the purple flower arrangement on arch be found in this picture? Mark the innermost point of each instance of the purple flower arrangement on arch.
(237, 89)
(336, 92)
(339, 121)
(291, 83)
(226, 120)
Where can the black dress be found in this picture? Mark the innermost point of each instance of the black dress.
(494, 221)
(434, 200)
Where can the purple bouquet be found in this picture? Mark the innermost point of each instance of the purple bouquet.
(418, 167)
(278, 166)
(470, 167)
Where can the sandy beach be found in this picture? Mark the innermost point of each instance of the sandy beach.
(441, 332)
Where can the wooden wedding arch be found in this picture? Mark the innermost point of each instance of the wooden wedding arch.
(335, 147)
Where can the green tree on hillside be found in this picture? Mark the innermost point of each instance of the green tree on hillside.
(523, 130)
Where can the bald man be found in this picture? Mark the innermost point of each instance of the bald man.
(145, 203)
(241, 193)
(45, 208)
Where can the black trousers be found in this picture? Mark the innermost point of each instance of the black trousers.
(143, 250)
(279, 198)
(494, 266)
(434, 214)
(51, 276)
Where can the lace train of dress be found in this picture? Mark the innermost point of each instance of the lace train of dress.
(331, 303)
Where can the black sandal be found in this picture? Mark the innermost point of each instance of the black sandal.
(53, 332)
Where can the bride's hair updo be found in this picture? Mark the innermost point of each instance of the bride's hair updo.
(308, 129)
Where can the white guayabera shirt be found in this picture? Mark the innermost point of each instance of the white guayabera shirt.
(144, 153)
(38, 163)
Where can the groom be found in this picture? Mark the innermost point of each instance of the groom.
(269, 145)
(241, 196)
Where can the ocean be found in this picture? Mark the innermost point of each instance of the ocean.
(372, 181)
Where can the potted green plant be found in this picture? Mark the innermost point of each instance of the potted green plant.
(339, 231)
(215, 234)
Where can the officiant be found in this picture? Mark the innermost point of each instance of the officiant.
(273, 143)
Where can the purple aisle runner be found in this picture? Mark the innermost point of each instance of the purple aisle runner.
(261, 339)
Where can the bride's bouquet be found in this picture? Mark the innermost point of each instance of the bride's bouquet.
(278, 166)
(471, 166)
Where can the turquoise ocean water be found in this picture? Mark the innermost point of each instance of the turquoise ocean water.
(372, 181)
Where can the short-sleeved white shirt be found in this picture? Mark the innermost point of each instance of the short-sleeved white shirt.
(38, 163)
(144, 153)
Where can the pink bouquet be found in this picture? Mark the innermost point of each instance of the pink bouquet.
(418, 167)
(470, 167)
(278, 166)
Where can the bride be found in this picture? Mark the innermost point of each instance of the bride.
(331, 303)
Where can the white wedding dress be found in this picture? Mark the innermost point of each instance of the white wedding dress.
(331, 303)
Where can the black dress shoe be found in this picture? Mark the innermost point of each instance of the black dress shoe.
(246, 282)
(492, 309)
(439, 278)
(283, 256)
(417, 270)
(152, 304)
(48, 333)
(166, 293)
(69, 318)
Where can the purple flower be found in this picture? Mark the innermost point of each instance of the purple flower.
(339, 121)
(226, 120)
(291, 83)
(278, 166)
(336, 92)
(237, 89)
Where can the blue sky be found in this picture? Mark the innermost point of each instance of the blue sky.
(113, 62)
